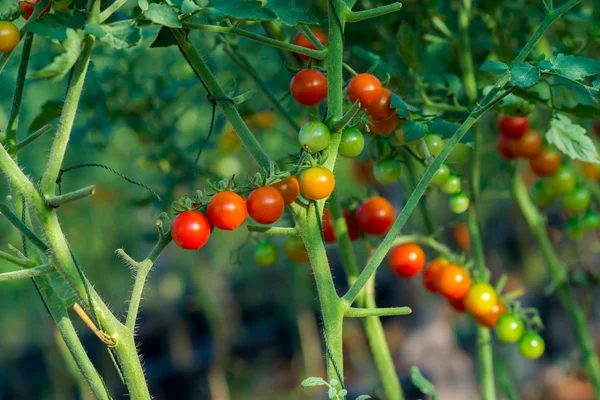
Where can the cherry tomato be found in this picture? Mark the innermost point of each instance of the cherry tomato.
(351, 143)
(265, 205)
(591, 220)
(385, 126)
(528, 145)
(509, 328)
(289, 189)
(316, 183)
(481, 299)
(591, 170)
(365, 88)
(295, 250)
(27, 9)
(301, 40)
(382, 110)
(458, 203)
(452, 185)
(531, 345)
(574, 228)
(563, 181)
(459, 155)
(190, 230)
(541, 194)
(462, 236)
(328, 229)
(265, 254)
(315, 136)
(432, 274)
(441, 176)
(454, 282)
(546, 162)
(490, 319)
(387, 171)
(513, 127)
(227, 210)
(503, 146)
(9, 36)
(457, 304)
(577, 200)
(406, 260)
(309, 87)
(434, 144)
(375, 216)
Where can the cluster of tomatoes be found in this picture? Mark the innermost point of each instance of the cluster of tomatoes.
(9, 33)
(479, 299)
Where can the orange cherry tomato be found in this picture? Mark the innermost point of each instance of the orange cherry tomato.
(382, 110)
(528, 145)
(316, 183)
(289, 189)
(490, 319)
(407, 260)
(301, 40)
(365, 88)
(546, 162)
(385, 126)
(227, 210)
(454, 282)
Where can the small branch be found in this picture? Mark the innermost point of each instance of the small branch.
(353, 312)
(318, 54)
(428, 241)
(13, 219)
(33, 137)
(104, 338)
(273, 230)
(356, 16)
(21, 262)
(347, 117)
(110, 10)
(26, 273)
(56, 201)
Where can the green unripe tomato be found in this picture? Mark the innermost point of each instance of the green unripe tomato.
(591, 220)
(452, 185)
(351, 143)
(387, 171)
(460, 154)
(265, 254)
(563, 180)
(458, 203)
(541, 195)
(574, 228)
(531, 345)
(509, 328)
(434, 144)
(315, 136)
(577, 200)
(440, 176)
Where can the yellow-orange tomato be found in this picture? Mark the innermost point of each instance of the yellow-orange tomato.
(9, 36)
(490, 319)
(462, 237)
(316, 183)
(481, 299)
(289, 189)
(454, 282)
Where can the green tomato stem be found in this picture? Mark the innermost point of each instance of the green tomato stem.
(273, 230)
(43, 269)
(56, 201)
(357, 16)
(18, 261)
(32, 138)
(376, 312)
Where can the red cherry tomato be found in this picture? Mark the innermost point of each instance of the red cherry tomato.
(407, 260)
(365, 88)
(309, 87)
(432, 274)
(265, 205)
(375, 216)
(490, 319)
(384, 126)
(503, 146)
(190, 230)
(301, 40)
(289, 189)
(382, 110)
(528, 145)
(513, 127)
(328, 229)
(454, 282)
(227, 210)
(458, 304)
(545, 163)
(316, 183)
(27, 9)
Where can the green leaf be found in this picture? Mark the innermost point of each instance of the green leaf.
(240, 9)
(50, 111)
(447, 129)
(406, 46)
(363, 397)
(120, 35)
(94, 29)
(397, 102)
(596, 84)
(525, 75)
(162, 14)
(572, 67)
(343, 393)
(54, 26)
(332, 392)
(571, 139)
(143, 4)
(495, 67)
(188, 7)
(454, 83)
(63, 63)
(582, 111)
(308, 382)
(422, 383)
(164, 38)
(414, 130)
(291, 14)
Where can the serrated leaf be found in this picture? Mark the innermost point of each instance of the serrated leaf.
(240, 9)
(143, 4)
(63, 63)
(571, 139)
(288, 13)
(54, 26)
(363, 397)
(188, 7)
(495, 67)
(525, 75)
(50, 111)
(164, 38)
(447, 129)
(422, 383)
(397, 102)
(119, 35)
(162, 14)
(313, 381)
(572, 67)
(414, 130)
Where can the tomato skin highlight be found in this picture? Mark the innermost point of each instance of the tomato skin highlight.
(289, 189)
(481, 299)
(227, 210)
(432, 273)
(309, 87)
(316, 183)
(27, 9)
(406, 260)
(190, 230)
(265, 205)
(301, 40)
(9, 36)
(365, 88)
(509, 328)
(513, 127)
(375, 216)
(454, 282)
(265, 254)
(295, 250)
(545, 163)
(531, 345)
(382, 110)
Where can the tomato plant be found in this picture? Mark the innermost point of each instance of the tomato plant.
(265, 205)
(407, 260)
(309, 87)
(190, 230)
(387, 171)
(513, 127)
(227, 210)
(289, 189)
(375, 216)
(316, 183)
(365, 88)
(295, 250)
(454, 282)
